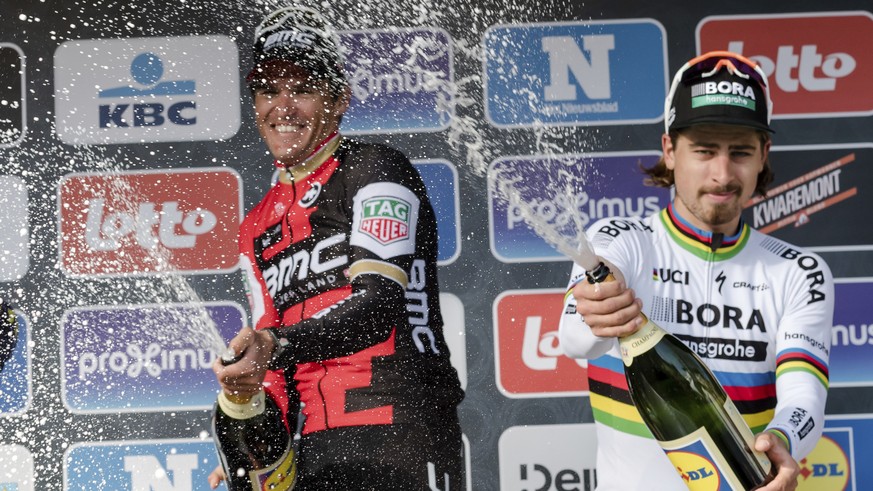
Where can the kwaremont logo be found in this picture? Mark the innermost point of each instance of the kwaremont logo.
(794, 201)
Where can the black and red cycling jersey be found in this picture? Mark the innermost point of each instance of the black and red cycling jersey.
(341, 258)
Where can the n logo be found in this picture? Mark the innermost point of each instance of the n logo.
(565, 57)
(147, 474)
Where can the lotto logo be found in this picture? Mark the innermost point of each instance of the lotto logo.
(530, 362)
(814, 70)
(149, 222)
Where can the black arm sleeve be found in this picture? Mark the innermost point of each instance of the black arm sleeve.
(365, 318)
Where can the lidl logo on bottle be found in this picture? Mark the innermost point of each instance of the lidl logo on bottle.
(698, 472)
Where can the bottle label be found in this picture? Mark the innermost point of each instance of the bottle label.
(639, 342)
(699, 463)
(281, 476)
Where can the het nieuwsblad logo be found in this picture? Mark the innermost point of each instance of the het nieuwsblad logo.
(814, 69)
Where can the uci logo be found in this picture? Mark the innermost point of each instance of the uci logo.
(826, 467)
(696, 471)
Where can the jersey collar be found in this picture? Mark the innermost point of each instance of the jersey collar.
(702, 243)
(321, 153)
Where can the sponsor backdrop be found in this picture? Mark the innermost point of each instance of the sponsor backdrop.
(128, 156)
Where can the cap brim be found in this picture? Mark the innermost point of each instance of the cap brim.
(721, 120)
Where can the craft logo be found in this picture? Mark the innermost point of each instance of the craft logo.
(12, 95)
(140, 465)
(794, 202)
(15, 232)
(148, 222)
(135, 358)
(575, 73)
(147, 89)
(537, 204)
(402, 80)
(528, 355)
(826, 467)
(385, 219)
(548, 458)
(814, 70)
(696, 471)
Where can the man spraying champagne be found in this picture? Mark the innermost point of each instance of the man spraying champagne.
(769, 342)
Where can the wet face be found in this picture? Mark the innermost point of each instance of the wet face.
(715, 169)
(295, 114)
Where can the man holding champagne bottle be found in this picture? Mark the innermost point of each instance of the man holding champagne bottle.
(341, 262)
(757, 311)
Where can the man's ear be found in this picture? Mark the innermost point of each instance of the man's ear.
(667, 149)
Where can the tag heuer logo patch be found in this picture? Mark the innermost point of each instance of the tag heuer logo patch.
(385, 219)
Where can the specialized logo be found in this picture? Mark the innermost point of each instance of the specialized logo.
(575, 73)
(13, 99)
(528, 355)
(794, 202)
(548, 457)
(402, 80)
(15, 232)
(146, 89)
(385, 219)
(826, 467)
(142, 223)
(140, 465)
(539, 203)
(813, 69)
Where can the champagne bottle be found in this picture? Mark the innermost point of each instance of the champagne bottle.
(253, 443)
(687, 410)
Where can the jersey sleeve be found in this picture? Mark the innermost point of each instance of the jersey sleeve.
(802, 348)
(385, 200)
(615, 245)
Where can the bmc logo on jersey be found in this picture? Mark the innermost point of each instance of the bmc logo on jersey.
(149, 222)
(814, 69)
(530, 362)
(147, 89)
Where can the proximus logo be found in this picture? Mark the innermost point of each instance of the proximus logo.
(154, 359)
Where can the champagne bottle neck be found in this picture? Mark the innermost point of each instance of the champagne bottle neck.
(644, 339)
(241, 407)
